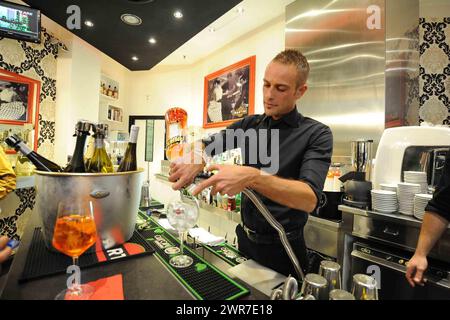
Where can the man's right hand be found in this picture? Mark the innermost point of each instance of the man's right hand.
(415, 270)
(184, 170)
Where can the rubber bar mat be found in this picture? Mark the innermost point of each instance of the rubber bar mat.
(42, 262)
(227, 253)
(202, 279)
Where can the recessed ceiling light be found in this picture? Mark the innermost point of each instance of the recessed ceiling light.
(178, 14)
(131, 19)
(89, 23)
(240, 10)
(134, 58)
(212, 29)
(152, 40)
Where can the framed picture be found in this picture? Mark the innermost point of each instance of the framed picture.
(19, 107)
(229, 94)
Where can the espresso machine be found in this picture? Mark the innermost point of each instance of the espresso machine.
(356, 183)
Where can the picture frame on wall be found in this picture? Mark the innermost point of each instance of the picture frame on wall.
(19, 107)
(229, 94)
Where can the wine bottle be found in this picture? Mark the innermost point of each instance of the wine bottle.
(77, 162)
(100, 161)
(129, 162)
(41, 163)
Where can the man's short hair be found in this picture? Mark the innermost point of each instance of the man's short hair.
(297, 59)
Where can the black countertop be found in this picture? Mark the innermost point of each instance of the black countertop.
(144, 278)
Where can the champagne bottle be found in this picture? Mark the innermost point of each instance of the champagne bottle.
(41, 163)
(129, 162)
(100, 161)
(81, 132)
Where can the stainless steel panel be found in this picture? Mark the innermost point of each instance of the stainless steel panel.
(322, 236)
(357, 70)
(347, 61)
(402, 62)
(396, 233)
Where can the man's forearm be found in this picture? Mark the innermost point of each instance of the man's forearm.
(433, 226)
(291, 193)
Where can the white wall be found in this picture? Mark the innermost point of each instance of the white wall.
(153, 92)
(78, 83)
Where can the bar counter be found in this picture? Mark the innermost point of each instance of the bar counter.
(144, 277)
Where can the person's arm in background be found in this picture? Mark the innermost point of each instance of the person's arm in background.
(435, 221)
(433, 226)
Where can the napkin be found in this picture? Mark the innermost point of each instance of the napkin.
(203, 236)
(109, 288)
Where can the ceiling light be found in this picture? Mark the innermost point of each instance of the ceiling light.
(178, 14)
(89, 23)
(152, 40)
(212, 29)
(240, 10)
(134, 58)
(131, 19)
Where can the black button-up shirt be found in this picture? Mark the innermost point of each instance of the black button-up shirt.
(440, 203)
(305, 149)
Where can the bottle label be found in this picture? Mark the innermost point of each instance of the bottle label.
(24, 148)
(175, 134)
(99, 143)
(134, 134)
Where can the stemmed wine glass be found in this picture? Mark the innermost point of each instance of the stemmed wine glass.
(182, 214)
(74, 233)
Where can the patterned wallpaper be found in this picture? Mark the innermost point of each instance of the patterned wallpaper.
(37, 61)
(435, 71)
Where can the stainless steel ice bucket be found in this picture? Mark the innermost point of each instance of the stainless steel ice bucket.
(115, 199)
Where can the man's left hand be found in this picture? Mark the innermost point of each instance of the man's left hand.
(230, 179)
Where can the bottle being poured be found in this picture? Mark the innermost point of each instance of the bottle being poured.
(183, 210)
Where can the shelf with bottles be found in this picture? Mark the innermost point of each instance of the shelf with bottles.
(109, 88)
(115, 114)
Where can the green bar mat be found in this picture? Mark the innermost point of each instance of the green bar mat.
(202, 279)
(227, 253)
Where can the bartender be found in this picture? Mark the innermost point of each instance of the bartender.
(435, 222)
(300, 149)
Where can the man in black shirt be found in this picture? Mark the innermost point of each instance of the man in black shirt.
(286, 157)
(435, 222)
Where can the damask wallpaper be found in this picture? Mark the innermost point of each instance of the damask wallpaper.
(37, 61)
(434, 79)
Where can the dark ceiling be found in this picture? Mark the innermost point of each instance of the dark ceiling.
(120, 41)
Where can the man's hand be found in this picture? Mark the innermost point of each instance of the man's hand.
(415, 269)
(230, 179)
(5, 251)
(184, 170)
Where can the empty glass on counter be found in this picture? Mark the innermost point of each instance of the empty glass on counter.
(316, 286)
(182, 213)
(330, 270)
(364, 287)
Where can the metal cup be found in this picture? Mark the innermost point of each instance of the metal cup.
(331, 271)
(364, 287)
(144, 204)
(338, 294)
(316, 286)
